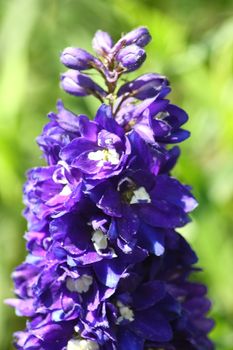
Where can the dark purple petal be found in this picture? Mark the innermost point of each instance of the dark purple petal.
(157, 214)
(105, 118)
(151, 239)
(127, 225)
(110, 202)
(160, 128)
(151, 325)
(145, 86)
(109, 272)
(170, 190)
(129, 340)
(170, 160)
(177, 136)
(157, 106)
(177, 115)
(148, 294)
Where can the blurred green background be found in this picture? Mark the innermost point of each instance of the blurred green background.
(193, 45)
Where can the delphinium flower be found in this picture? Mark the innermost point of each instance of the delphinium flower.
(106, 268)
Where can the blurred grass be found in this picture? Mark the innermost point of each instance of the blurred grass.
(193, 45)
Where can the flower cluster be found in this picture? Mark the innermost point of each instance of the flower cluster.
(106, 269)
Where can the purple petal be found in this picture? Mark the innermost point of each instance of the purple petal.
(109, 272)
(162, 214)
(151, 239)
(129, 340)
(148, 294)
(110, 202)
(65, 118)
(170, 190)
(77, 147)
(151, 325)
(145, 86)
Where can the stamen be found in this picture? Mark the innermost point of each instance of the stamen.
(82, 344)
(140, 195)
(80, 285)
(105, 155)
(100, 240)
(126, 313)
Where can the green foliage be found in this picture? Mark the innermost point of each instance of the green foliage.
(193, 45)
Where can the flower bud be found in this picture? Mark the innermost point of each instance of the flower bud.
(131, 57)
(139, 36)
(145, 86)
(79, 59)
(102, 43)
(79, 84)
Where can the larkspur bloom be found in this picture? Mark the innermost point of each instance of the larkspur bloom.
(106, 268)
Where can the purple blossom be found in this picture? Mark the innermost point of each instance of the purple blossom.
(106, 269)
(101, 153)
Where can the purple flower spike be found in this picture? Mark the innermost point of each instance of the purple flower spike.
(131, 57)
(106, 269)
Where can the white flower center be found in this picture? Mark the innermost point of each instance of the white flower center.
(113, 156)
(105, 155)
(126, 313)
(98, 155)
(80, 285)
(82, 344)
(140, 195)
(66, 191)
(100, 240)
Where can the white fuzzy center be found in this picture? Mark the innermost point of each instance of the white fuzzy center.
(82, 344)
(103, 156)
(126, 313)
(100, 240)
(80, 285)
(140, 195)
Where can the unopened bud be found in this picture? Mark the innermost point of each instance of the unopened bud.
(139, 36)
(79, 84)
(76, 58)
(102, 43)
(131, 57)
